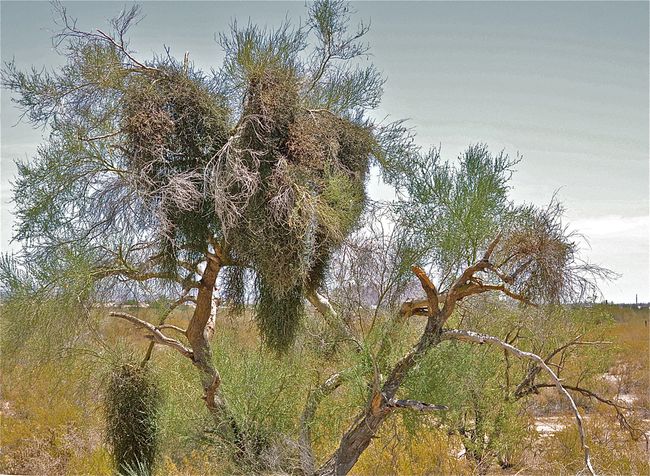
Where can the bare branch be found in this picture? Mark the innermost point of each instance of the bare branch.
(325, 308)
(120, 24)
(467, 285)
(467, 275)
(120, 46)
(528, 380)
(172, 327)
(156, 335)
(575, 342)
(143, 271)
(185, 297)
(469, 336)
(415, 308)
(102, 137)
(429, 289)
(415, 405)
(491, 247)
(482, 288)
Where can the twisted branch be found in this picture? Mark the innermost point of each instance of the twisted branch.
(469, 336)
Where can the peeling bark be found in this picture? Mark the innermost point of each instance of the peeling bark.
(199, 331)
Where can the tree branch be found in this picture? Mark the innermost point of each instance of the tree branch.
(482, 288)
(414, 308)
(307, 459)
(156, 334)
(120, 46)
(469, 336)
(140, 272)
(534, 371)
(429, 288)
(415, 405)
(185, 297)
(172, 327)
(465, 278)
(325, 308)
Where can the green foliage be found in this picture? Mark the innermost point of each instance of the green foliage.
(453, 209)
(46, 308)
(456, 211)
(154, 159)
(478, 383)
(469, 380)
(344, 87)
(299, 178)
(265, 395)
(173, 125)
(233, 288)
(132, 404)
(279, 317)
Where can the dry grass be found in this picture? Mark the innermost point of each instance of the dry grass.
(49, 427)
(396, 452)
(45, 429)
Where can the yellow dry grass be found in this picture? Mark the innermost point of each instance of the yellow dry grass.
(47, 427)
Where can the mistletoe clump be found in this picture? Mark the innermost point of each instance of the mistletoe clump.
(173, 125)
(298, 177)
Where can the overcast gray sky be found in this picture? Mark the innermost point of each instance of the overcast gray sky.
(565, 84)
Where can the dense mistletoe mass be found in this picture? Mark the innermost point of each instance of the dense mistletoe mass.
(270, 155)
(246, 187)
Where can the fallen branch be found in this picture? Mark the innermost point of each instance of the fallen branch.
(469, 336)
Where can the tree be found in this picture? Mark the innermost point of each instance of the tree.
(158, 178)
(153, 168)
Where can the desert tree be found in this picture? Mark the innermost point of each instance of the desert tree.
(160, 178)
(458, 224)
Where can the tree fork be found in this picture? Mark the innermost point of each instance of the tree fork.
(381, 403)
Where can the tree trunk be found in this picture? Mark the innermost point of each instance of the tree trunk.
(358, 438)
(353, 444)
(199, 331)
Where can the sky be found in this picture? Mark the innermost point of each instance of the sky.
(565, 84)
